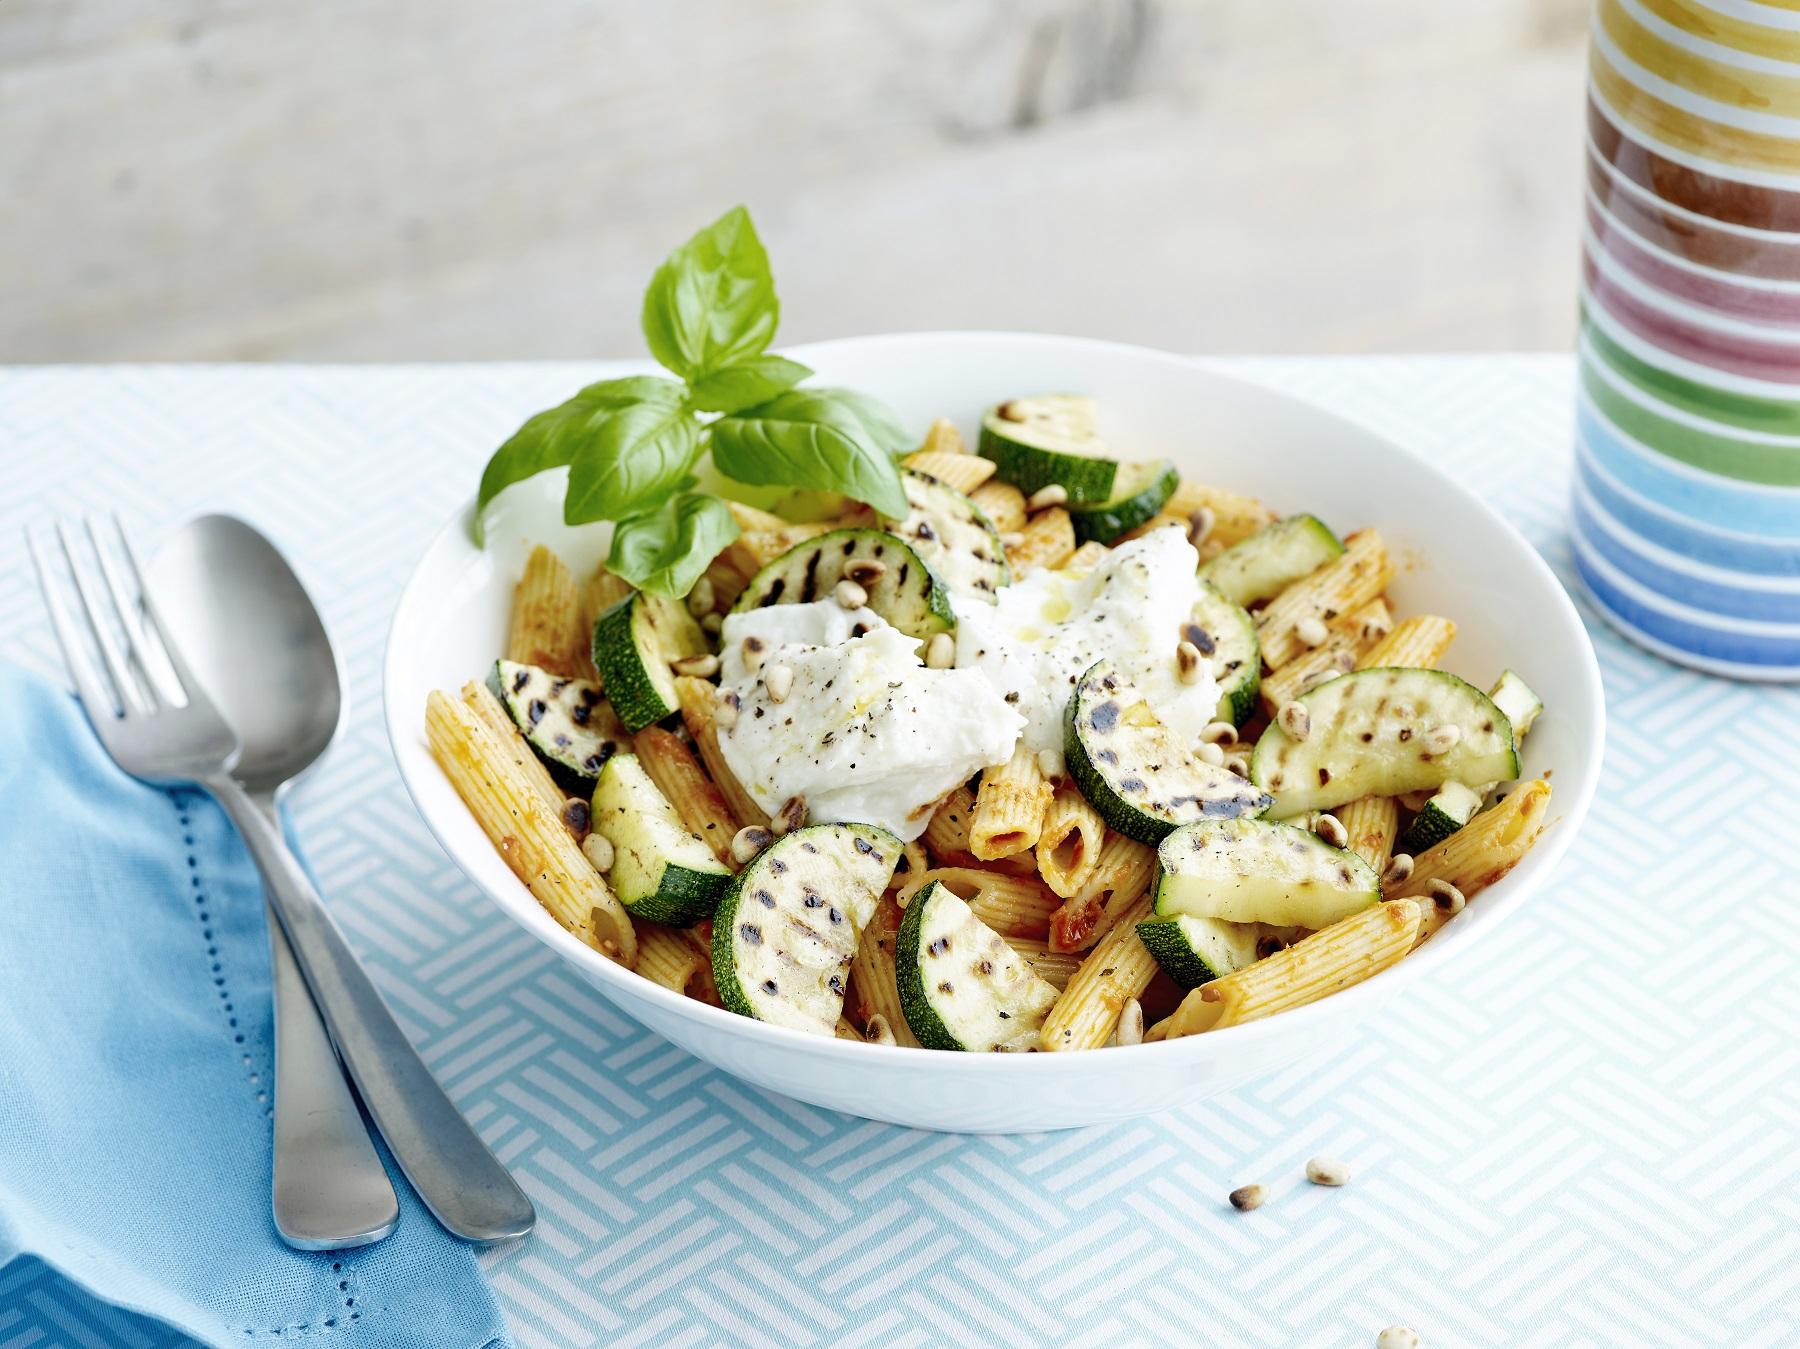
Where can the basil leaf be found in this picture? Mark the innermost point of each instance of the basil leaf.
(550, 439)
(878, 419)
(712, 302)
(811, 438)
(745, 384)
(633, 459)
(664, 550)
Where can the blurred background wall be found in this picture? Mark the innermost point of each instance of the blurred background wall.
(242, 179)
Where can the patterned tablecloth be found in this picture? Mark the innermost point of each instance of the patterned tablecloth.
(1583, 1131)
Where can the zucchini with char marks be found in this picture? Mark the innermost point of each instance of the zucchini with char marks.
(1139, 491)
(907, 593)
(961, 986)
(661, 872)
(634, 642)
(1272, 559)
(1225, 635)
(1258, 871)
(951, 534)
(1195, 951)
(563, 720)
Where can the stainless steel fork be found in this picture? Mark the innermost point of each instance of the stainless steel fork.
(153, 737)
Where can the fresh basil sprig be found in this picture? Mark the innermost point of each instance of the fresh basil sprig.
(631, 445)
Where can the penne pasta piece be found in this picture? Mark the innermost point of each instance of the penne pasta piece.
(699, 702)
(527, 833)
(1086, 557)
(964, 472)
(1116, 971)
(1123, 872)
(1055, 968)
(750, 518)
(1481, 852)
(480, 700)
(728, 581)
(1235, 516)
(546, 626)
(1350, 636)
(1371, 822)
(1047, 540)
(913, 860)
(1330, 960)
(1346, 582)
(703, 808)
(1014, 906)
(874, 988)
(942, 437)
(1003, 504)
(700, 935)
(754, 549)
(1417, 643)
(1009, 807)
(1068, 846)
(947, 834)
(668, 957)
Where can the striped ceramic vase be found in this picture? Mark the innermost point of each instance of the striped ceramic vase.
(1686, 519)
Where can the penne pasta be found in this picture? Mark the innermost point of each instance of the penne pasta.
(752, 518)
(1014, 906)
(1481, 852)
(1371, 822)
(1086, 557)
(1116, 971)
(1235, 516)
(1009, 807)
(874, 988)
(964, 472)
(1350, 636)
(1055, 968)
(668, 957)
(1346, 582)
(1046, 541)
(947, 834)
(703, 808)
(546, 626)
(754, 549)
(527, 833)
(1122, 873)
(1417, 643)
(1330, 960)
(480, 700)
(699, 703)
(913, 860)
(1003, 504)
(942, 437)
(1069, 843)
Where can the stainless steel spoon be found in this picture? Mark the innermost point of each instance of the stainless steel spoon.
(252, 636)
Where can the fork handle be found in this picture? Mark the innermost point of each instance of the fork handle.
(459, 1178)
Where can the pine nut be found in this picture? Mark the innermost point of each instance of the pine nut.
(1012, 540)
(1237, 763)
(1397, 1337)
(866, 571)
(1398, 870)
(1443, 739)
(791, 815)
(1187, 662)
(1374, 629)
(779, 681)
(577, 817)
(1210, 753)
(705, 666)
(1200, 524)
(754, 653)
(1248, 1197)
(749, 841)
(598, 849)
(1331, 829)
(849, 594)
(1218, 732)
(702, 597)
(1131, 1023)
(878, 1032)
(940, 651)
(712, 624)
(1446, 896)
(1327, 1171)
(1311, 631)
(1045, 497)
(1295, 720)
(1051, 764)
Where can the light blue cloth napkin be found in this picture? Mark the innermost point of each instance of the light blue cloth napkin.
(135, 1057)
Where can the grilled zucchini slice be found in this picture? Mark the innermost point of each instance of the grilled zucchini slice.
(563, 720)
(1272, 559)
(1139, 492)
(957, 541)
(961, 985)
(1226, 636)
(1259, 871)
(660, 871)
(634, 641)
(907, 594)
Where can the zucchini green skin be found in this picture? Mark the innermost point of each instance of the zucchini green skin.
(908, 594)
(1226, 636)
(1367, 739)
(1141, 491)
(764, 921)
(1163, 785)
(565, 708)
(961, 986)
(1195, 951)
(1260, 871)
(1440, 817)
(661, 872)
(1270, 560)
(633, 643)
(952, 535)
(1049, 439)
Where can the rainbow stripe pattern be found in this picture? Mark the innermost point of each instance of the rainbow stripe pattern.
(1686, 514)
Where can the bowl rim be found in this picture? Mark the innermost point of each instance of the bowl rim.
(521, 906)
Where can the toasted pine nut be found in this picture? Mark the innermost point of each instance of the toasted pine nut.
(791, 815)
(1295, 720)
(1398, 869)
(578, 816)
(866, 571)
(1211, 753)
(1051, 764)
(705, 665)
(849, 594)
(940, 651)
(1331, 829)
(1237, 763)
(702, 597)
(1200, 524)
(1131, 1023)
(1247, 1197)
(598, 849)
(1446, 896)
(1397, 1337)
(749, 841)
(878, 1032)
(1045, 497)
(1327, 1171)
(712, 624)
(1311, 631)
(1187, 662)
(1218, 732)
(755, 653)
(779, 681)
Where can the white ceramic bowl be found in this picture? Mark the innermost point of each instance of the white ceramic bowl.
(1455, 555)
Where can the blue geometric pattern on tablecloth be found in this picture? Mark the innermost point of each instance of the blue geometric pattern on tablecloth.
(1582, 1133)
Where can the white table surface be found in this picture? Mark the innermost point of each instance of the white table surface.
(1584, 1131)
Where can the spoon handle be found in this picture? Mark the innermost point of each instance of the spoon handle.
(460, 1180)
